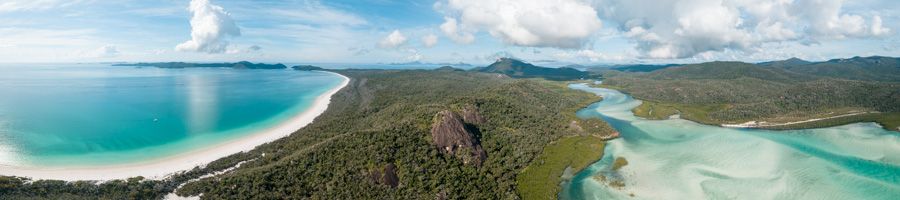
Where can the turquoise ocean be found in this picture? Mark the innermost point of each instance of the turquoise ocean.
(97, 114)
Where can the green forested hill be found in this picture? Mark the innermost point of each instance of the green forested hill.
(875, 68)
(736, 92)
(518, 69)
(379, 124)
(726, 70)
(785, 63)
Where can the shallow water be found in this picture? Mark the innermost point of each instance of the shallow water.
(93, 114)
(680, 159)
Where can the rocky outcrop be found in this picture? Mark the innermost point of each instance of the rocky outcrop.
(452, 136)
(387, 176)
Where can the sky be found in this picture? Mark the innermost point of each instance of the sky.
(445, 31)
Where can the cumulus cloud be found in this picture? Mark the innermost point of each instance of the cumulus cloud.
(681, 29)
(393, 40)
(877, 28)
(429, 40)
(452, 30)
(211, 27)
(537, 23)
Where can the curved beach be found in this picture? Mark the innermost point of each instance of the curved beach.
(163, 167)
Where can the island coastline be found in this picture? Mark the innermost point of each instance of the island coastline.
(161, 168)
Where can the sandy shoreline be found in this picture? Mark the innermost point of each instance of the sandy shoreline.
(755, 124)
(161, 168)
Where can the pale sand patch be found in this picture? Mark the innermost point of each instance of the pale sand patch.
(161, 168)
(755, 124)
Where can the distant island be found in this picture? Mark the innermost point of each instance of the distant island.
(306, 68)
(459, 64)
(519, 69)
(449, 69)
(237, 65)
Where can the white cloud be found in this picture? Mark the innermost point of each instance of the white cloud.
(107, 51)
(393, 40)
(877, 28)
(429, 40)
(454, 32)
(414, 56)
(536, 23)
(211, 26)
(682, 29)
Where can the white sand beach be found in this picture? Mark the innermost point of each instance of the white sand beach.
(161, 168)
(763, 124)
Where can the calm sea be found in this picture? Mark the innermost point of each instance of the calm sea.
(96, 114)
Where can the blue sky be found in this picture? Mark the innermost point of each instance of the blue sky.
(472, 31)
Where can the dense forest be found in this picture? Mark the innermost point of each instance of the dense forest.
(792, 90)
(374, 142)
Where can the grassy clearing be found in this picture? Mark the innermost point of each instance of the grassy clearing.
(540, 180)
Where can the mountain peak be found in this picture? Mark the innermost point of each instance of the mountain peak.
(795, 59)
(790, 62)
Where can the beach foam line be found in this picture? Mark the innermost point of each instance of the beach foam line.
(158, 169)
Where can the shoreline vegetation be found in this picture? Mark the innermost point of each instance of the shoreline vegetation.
(165, 167)
(660, 111)
(771, 95)
(543, 176)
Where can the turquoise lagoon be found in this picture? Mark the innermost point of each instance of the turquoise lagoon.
(95, 114)
(680, 159)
